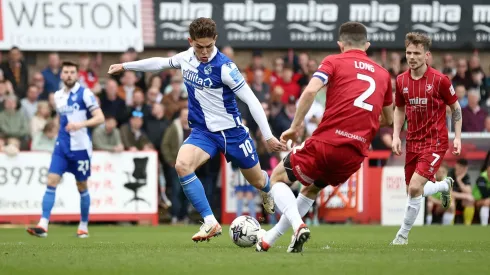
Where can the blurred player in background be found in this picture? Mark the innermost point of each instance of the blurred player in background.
(461, 192)
(78, 111)
(359, 97)
(481, 192)
(422, 94)
(434, 202)
(212, 81)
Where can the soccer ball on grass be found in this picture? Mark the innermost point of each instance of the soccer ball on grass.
(245, 231)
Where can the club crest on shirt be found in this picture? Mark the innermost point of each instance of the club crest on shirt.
(405, 90)
(428, 88)
(74, 97)
(208, 69)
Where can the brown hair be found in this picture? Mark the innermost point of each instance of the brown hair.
(50, 125)
(416, 38)
(69, 64)
(202, 28)
(353, 33)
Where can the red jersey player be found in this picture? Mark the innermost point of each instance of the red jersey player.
(422, 94)
(359, 94)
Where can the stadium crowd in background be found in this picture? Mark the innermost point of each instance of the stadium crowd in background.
(148, 112)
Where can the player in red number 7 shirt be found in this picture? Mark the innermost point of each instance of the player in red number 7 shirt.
(359, 97)
(422, 93)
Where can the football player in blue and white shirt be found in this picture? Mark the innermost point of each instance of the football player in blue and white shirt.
(212, 81)
(78, 111)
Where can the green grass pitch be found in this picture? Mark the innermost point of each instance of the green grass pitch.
(169, 250)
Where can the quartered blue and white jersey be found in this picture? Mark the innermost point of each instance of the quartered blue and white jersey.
(74, 106)
(211, 89)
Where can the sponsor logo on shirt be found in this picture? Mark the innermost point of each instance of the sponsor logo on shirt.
(64, 110)
(236, 76)
(418, 101)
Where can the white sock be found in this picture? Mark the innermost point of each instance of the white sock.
(304, 204)
(210, 219)
(83, 226)
(430, 188)
(286, 202)
(447, 218)
(484, 215)
(411, 212)
(428, 220)
(43, 222)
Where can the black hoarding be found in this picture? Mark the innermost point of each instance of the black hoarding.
(312, 24)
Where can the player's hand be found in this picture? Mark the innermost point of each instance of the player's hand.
(273, 145)
(289, 134)
(457, 147)
(396, 146)
(74, 126)
(116, 69)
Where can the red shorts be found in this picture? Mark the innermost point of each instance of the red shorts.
(324, 164)
(425, 164)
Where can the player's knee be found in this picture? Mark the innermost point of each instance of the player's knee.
(310, 191)
(53, 180)
(183, 167)
(415, 190)
(82, 186)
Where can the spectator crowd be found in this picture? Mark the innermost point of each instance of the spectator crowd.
(149, 111)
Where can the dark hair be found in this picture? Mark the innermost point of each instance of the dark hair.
(353, 33)
(462, 162)
(416, 38)
(107, 117)
(69, 64)
(202, 28)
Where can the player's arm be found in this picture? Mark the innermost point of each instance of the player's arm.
(398, 120)
(93, 107)
(387, 112)
(232, 77)
(386, 116)
(449, 97)
(306, 100)
(457, 119)
(153, 64)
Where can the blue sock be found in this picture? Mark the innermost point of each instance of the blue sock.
(48, 201)
(194, 191)
(84, 205)
(267, 186)
(239, 207)
(251, 208)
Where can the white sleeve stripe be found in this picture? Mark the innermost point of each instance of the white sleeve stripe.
(323, 77)
(239, 86)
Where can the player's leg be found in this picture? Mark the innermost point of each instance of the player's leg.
(259, 179)
(426, 165)
(304, 201)
(79, 166)
(241, 151)
(82, 187)
(57, 167)
(448, 215)
(195, 151)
